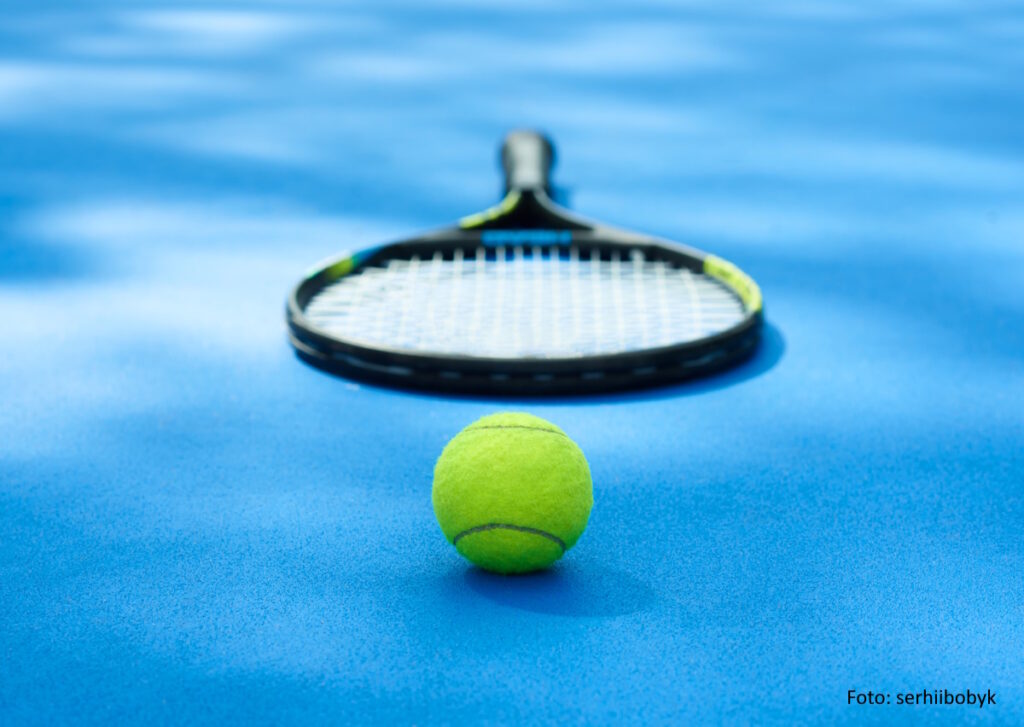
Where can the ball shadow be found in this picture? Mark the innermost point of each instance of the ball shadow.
(565, 590)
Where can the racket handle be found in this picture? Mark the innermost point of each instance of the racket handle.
(527, 157)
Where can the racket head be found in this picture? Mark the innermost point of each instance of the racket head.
(526, 298)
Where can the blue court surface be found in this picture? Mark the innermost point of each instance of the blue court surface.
(197, 527)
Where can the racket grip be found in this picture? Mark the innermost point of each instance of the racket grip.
(527, 157)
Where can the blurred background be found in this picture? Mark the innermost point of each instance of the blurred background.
(795, 131)
(848, 154)
(182, 502)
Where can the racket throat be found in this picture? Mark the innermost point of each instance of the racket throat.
(524, 209)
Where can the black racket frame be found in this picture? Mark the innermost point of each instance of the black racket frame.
(527, 158)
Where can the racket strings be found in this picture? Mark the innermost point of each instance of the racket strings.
(525, 302)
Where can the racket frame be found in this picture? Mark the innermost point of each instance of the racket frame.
(528, 213)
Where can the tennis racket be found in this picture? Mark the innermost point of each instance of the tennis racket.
(526, 298)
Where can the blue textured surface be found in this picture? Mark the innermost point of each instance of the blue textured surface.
(195, 527)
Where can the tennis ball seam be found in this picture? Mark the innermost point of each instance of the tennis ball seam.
(518, 426)
(507, 526)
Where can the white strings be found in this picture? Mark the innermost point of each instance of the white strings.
(523, 302)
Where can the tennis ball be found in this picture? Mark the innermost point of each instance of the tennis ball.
(512, 492)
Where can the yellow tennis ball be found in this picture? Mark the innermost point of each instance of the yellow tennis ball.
(512, 492)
